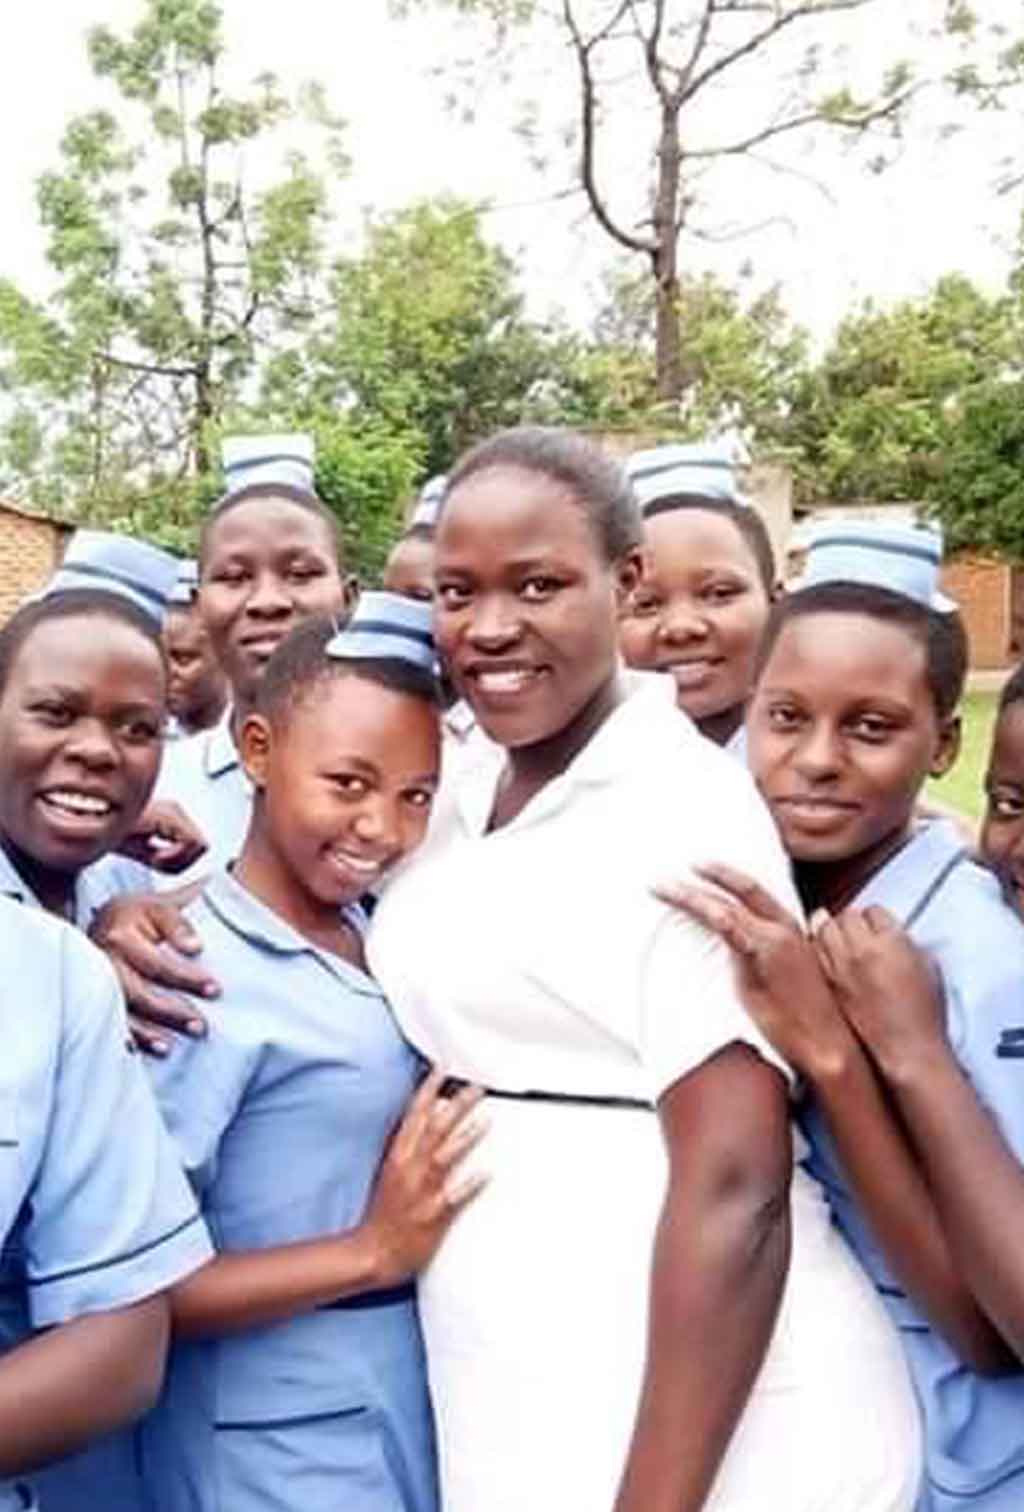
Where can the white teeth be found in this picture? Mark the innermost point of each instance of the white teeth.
(511, 681)
(357, 864)
(79, 803)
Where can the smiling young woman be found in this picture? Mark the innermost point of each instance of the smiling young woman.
(601, 1324)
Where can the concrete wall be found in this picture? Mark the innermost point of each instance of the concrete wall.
(30, 549)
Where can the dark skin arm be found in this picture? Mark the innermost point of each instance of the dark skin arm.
(77, 1382)
(786, 992)
(894, 1001)
(416, 1198)
(721, 1255)
(152, 948)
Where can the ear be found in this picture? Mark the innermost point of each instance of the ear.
(255, 742)
(629, 569)
(947, 748)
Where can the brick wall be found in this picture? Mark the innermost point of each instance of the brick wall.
(981, 586)
(29, 550)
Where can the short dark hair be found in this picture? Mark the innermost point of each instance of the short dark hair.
(1013, 689)
(303, 497)
(745, 518)
(595, 479)
(300, 664)
(942, 636)
(72, 603)
(420, 531)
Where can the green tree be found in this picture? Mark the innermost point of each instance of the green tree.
(742, 360)
(173, 272)
(878, 415)
(655, 90)
(979, 492)
(427, 333)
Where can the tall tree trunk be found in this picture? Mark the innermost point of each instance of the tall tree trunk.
(665, 258)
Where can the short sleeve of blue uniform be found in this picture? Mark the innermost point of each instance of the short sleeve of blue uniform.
(110, 1218)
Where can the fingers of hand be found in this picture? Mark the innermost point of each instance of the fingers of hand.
(749, 892)
(708, 908)
(154, 1009)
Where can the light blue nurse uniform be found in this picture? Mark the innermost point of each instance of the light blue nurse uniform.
(954, 912)
(94, 1211)
(204, 774)
(109, 877)
(281, 1114)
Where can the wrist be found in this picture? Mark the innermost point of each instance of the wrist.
(381, 1261)
(915, 1065)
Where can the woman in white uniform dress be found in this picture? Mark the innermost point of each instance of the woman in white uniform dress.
(647, 1309)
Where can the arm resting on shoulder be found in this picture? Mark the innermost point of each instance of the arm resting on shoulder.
(721, 1255)
(78, 1381)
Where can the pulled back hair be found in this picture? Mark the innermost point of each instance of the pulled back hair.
(942, 636)
(300, 665)
(598, 483)
(72, 603)
(1013, 689)
(303, 497)
(746, 520)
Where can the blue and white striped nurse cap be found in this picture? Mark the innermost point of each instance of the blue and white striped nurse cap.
(388, 626)
(249, 460)
(706, 469)
(905, 559)
(185, 589)
(134, 570)
(428, 504)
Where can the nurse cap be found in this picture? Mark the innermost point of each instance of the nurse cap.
(428, 504)
(251, 460)
(185, 589)
(388, 626)
(116, 564)
(703, 468)
(905, 559)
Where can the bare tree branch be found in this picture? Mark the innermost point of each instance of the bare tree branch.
(588, 122)
(859, 122)
(759, 38)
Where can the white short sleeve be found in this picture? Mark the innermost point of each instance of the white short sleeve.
(690, 1006)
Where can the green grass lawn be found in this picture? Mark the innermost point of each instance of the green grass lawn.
(962, 788)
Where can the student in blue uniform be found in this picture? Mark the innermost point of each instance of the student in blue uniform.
(96, 1219)
(855, 704)
(297, 1375)
(197, 696)
(701, 607)
(269, 557)
(83, 690)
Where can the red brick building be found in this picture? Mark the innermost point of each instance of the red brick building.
(31, 546)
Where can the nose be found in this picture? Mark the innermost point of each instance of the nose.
(269, 597)
(92, 743)
(495, 623)
(818, 756)
(377, 823)
(682, 621)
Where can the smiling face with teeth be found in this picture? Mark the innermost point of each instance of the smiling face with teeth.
(81, 715)
(699, 614)
(344, 781)
(527, 606)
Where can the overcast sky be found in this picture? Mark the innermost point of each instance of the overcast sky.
(935, 210)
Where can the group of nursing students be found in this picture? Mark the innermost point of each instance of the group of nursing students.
(579, 1074)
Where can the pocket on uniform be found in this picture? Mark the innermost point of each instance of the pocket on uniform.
(333, 1461)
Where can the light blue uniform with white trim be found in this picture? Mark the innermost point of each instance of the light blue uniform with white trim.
(94, 1211)
(204, 774)
(954, 912)
(281, 1115)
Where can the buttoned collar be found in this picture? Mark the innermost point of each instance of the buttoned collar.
(908, 881)
(246, 916)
